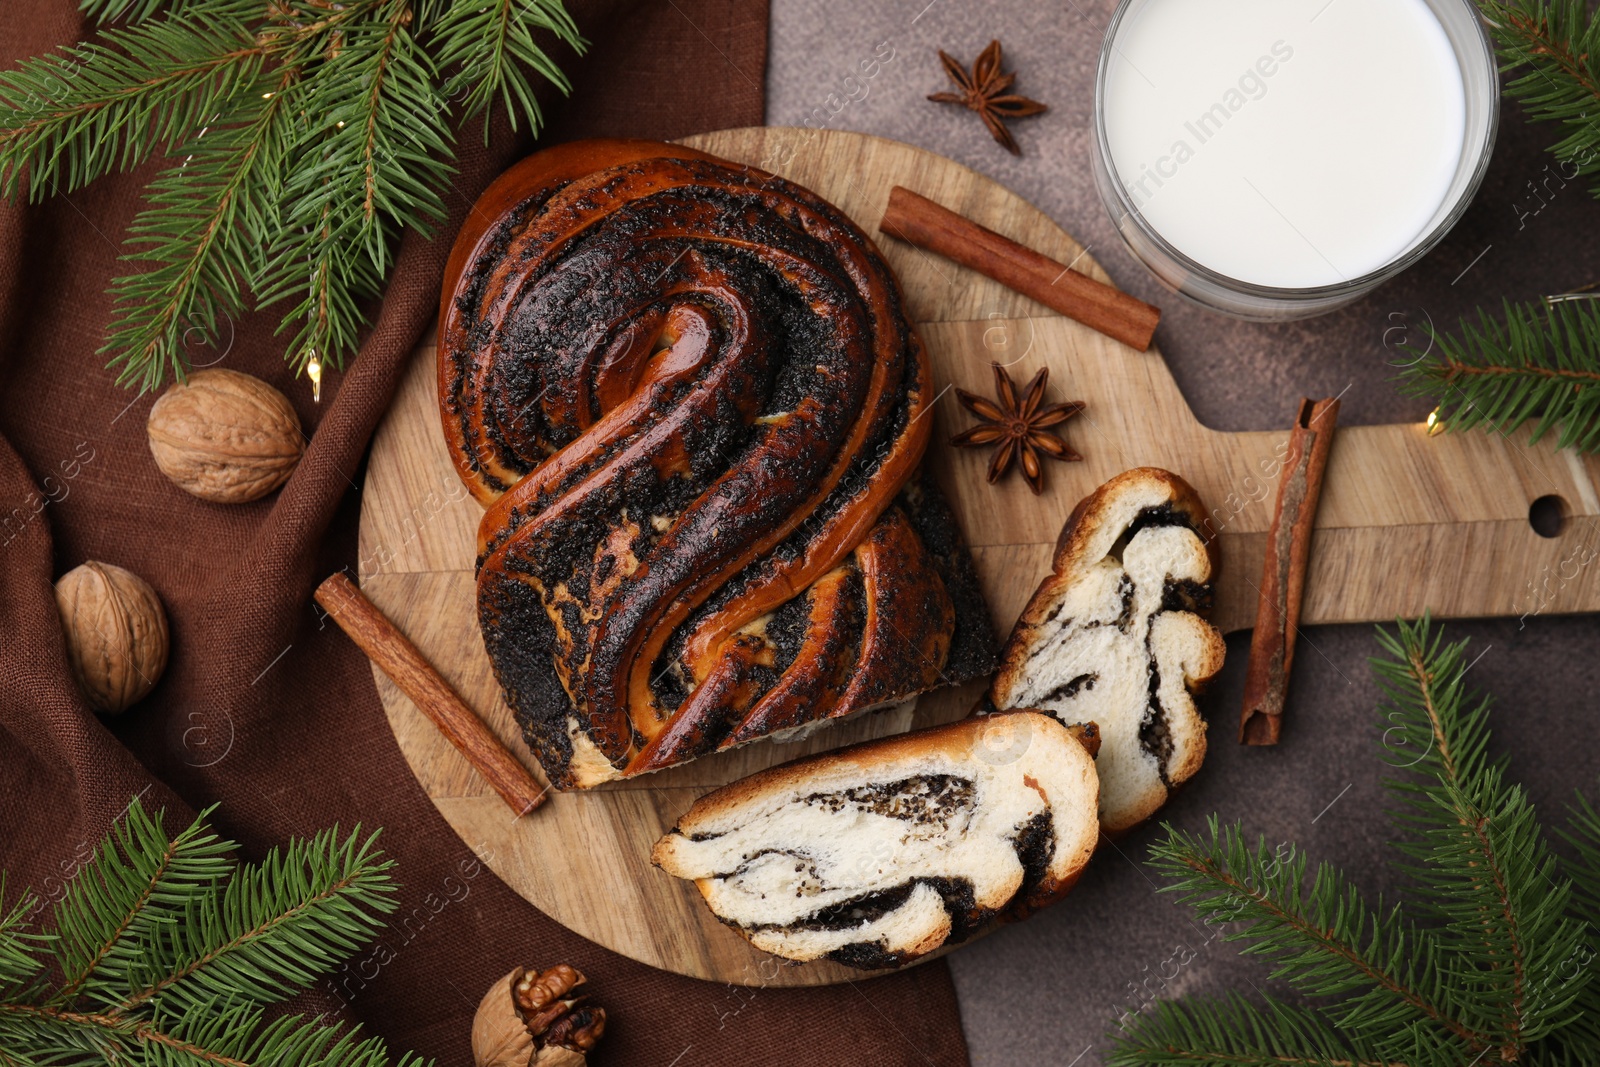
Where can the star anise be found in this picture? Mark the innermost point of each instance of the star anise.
(984, 90)
(1017, 429)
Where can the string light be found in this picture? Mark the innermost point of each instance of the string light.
(1435, 424)
(314, 372)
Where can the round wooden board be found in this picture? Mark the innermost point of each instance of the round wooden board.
(1455, 506)
(583, 859)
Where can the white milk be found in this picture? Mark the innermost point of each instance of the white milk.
(1286, 143)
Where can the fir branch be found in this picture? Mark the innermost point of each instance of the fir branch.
(1484, 868)
(196, 236)
(137, 878)
(493, 43)
(1231, 1031)
(39, 1034)
(21, 970)
(306, 136)
(132, 11)
(323, 896)
(1496, 964)
(104, 106)
(1424, 700)
(1582, 833)
(173, 956)
(1556, 45)
(238, 1037)
(1324, 938)
(1539, 362)
(214, 1034)
(379, 149)
(396, 70)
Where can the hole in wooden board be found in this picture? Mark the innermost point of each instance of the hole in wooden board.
(1548, 515)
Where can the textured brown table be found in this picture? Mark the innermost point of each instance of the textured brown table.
(1048, 991)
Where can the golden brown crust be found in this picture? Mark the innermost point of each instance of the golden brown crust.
(1090, 514)
(811, 687)
(905, 639)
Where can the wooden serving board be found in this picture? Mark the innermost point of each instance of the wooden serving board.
(1408, 522)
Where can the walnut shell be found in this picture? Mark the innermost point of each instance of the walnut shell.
(499, 1036)
(533, 1018)
(225, 436)
(116, 634)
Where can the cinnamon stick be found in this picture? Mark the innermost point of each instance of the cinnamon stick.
(397, 657)
(919, 221)
(1283, 576)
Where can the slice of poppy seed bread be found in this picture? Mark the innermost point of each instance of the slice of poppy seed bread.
(1116, 635)
(879, 853)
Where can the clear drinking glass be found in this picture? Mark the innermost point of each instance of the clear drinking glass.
(1246, 300)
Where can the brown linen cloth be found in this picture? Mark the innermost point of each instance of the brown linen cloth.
(263, 708)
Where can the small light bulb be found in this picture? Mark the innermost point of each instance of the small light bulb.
(339, 125)
(1435, 424)
(266, 96)
(314, 372)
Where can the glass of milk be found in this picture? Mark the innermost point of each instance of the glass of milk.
(1276, 159)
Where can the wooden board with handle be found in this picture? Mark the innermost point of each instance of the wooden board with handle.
(1408, 522)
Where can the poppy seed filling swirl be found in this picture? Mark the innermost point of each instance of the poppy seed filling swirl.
(688, 397)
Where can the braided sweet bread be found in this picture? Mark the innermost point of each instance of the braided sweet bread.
(687, 394)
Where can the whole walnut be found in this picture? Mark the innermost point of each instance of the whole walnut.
(225, 436)
(536, 1018)
(116, 634)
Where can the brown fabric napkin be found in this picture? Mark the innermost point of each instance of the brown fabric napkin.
(264, 709)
